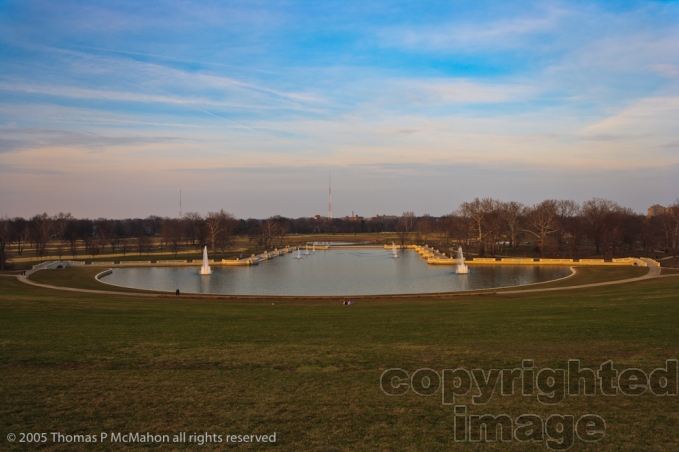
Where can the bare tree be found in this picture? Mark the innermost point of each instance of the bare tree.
(192, 221)
(124, 246)
(41, 232)
(5, 233)
(171, 234)
(94, 250)
(566, 210)
(477, 215)
(425, 226)
(282, 227)
(219, 226)
(671, 227)
(22, 233)
(495, 224)
(594, 212)
(103, 228)
(269, 230)
(512, 213)
(143, 243)
(445, 226)
(541, 222)
(405, 226)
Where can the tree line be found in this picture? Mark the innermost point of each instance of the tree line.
(553, 227)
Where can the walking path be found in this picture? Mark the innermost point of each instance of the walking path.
(654, 272)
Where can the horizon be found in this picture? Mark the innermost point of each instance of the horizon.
(108, 110)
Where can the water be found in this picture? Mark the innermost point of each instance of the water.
(335, 272)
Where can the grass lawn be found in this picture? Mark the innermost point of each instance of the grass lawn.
(589, 275)
(81, 278)
(310, 370)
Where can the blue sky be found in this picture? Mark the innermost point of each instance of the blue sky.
(110, 108)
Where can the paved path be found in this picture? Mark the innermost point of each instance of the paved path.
(654, 272)
(24, 279)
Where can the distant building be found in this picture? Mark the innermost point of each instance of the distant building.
(656, 210)
(353, 218)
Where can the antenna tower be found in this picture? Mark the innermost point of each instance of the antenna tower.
(329, 196)
(180, 203)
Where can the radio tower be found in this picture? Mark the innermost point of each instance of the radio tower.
(329, 196)
(180, 203)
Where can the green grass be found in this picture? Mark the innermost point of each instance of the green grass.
(589, 275)
(81, 278)
(309, 370)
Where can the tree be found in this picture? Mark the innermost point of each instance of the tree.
(618, 228)
(219, 226)
(86, 233)
(143, 243)
(124, 246)
(424, 226)
(671, 227)
(5, 232)
(22, 233)
(566, 210)
(512, 213)
(41, 232)
(541, 222)
(494, 222)
(282, 227)
(594, 212)
(171, 234)
(445, 226)
(269, 229)
(192, 222)
(405, 226)
(71, 235)
(477, 215)
(103, 228)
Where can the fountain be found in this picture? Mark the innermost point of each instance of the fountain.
(205, 269)
(298, 255)
(313, 247)
(461, 267)
(307, 249)
(393, 250)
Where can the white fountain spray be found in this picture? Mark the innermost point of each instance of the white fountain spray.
(205, 269)
(313, 247)
(461, 267)
(393, 250)
(307, 249)
(298, 255)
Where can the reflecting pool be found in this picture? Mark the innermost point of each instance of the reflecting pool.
(355, 271)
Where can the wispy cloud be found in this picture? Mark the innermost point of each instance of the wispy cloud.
(459, 35)
(13, 140)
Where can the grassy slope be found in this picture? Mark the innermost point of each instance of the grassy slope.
(310, 371)
(81, 278)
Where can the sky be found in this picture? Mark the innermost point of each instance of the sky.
(109, 109)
